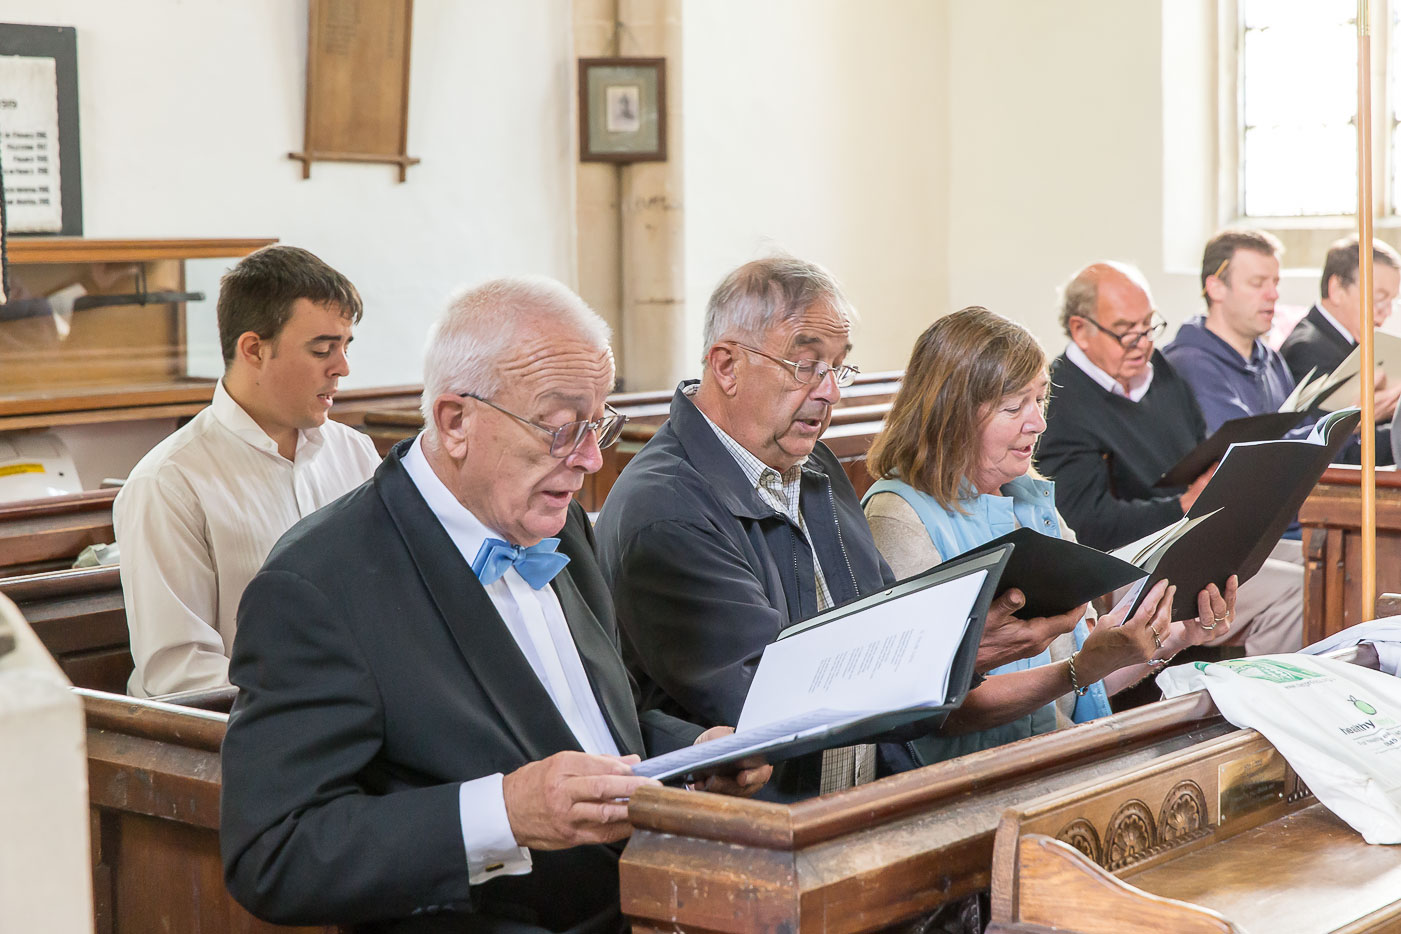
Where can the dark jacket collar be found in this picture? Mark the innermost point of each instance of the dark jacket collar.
(487, 646)
(708, 455)
(1325, 327)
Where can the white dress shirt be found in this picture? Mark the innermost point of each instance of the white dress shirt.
(536, 621)
(196, 519)
(1138, 388)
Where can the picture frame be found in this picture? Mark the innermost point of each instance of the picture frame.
(59, 43)
(622, 110)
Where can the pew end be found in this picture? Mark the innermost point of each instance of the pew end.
(1222, 837)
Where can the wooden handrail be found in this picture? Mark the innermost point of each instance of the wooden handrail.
(1347, 475)
(86, 501)
(219, 700)
(26, 587)
(872, 415)
(152, 719)
(90, 250)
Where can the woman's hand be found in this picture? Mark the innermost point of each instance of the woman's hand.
(1115, 643)
(1215, 613)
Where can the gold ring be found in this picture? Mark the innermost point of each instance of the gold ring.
(1157, 639)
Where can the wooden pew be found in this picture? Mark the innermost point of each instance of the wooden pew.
(79, 616)
(153, 787)
(856, 861)
(1221, 837)
(881, 854)
(47, 534)
(1332, 541)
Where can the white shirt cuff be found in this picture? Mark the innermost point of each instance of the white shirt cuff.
(486, 832)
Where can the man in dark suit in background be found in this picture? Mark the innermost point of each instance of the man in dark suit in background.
(434, 730)
(1329, 332)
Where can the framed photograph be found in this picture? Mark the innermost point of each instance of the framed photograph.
(39, 146)
(622, 110)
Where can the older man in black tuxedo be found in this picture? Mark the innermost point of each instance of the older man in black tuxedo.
(434, 730)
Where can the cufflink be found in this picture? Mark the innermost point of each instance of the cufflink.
(494, 867)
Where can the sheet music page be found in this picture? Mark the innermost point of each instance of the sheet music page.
(29, 144)
(892, 656)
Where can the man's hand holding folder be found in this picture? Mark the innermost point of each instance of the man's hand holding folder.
(1007, 637)
(897, 657)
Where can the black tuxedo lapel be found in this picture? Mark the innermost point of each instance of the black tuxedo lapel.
(602, 664)
(1329, 333)
(487, 646)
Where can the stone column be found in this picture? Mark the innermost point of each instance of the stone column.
(653, 215)
(598, 230)
(630, 220)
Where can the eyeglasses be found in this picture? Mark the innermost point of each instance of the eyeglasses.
(809, 371)
(1130, 339)
(565, 439)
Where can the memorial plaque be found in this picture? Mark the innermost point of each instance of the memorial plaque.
(1246, 784)
(39, 149)
(357, 83)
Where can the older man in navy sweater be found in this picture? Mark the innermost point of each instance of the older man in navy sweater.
(1118, 417)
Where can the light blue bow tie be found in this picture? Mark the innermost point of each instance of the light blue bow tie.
(538, 564)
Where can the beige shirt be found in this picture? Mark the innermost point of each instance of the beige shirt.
(195, 520)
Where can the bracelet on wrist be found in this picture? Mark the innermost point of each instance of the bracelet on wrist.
(1074, 681)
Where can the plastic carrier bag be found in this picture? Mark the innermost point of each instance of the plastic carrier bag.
(1338, 725)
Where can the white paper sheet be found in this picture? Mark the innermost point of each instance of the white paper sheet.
(897, 655)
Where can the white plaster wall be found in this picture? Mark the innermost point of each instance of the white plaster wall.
(1082, 130)
(1057, 155)
(188, 109)
(819, 127)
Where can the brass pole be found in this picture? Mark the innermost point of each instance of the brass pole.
(1364, 276)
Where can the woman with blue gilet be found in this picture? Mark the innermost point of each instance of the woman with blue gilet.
(954, 462)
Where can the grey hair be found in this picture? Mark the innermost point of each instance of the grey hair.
(1080, 296)
(758, 295)
(481, 324)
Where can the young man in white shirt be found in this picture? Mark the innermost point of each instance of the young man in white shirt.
(202, 510)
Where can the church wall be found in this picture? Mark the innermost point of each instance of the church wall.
(1056, 161)
(1083, 130)
(188, 110)
(819, 127)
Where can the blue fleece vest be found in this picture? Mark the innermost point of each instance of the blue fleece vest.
(1026, 502)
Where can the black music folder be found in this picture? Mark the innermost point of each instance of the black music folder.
(1056, 575)
(1250, 501)
(870, 666)
(1271, 426)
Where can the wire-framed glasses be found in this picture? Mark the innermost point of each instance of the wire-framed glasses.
(809, 371)
(1130, 339)
(565, 439)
